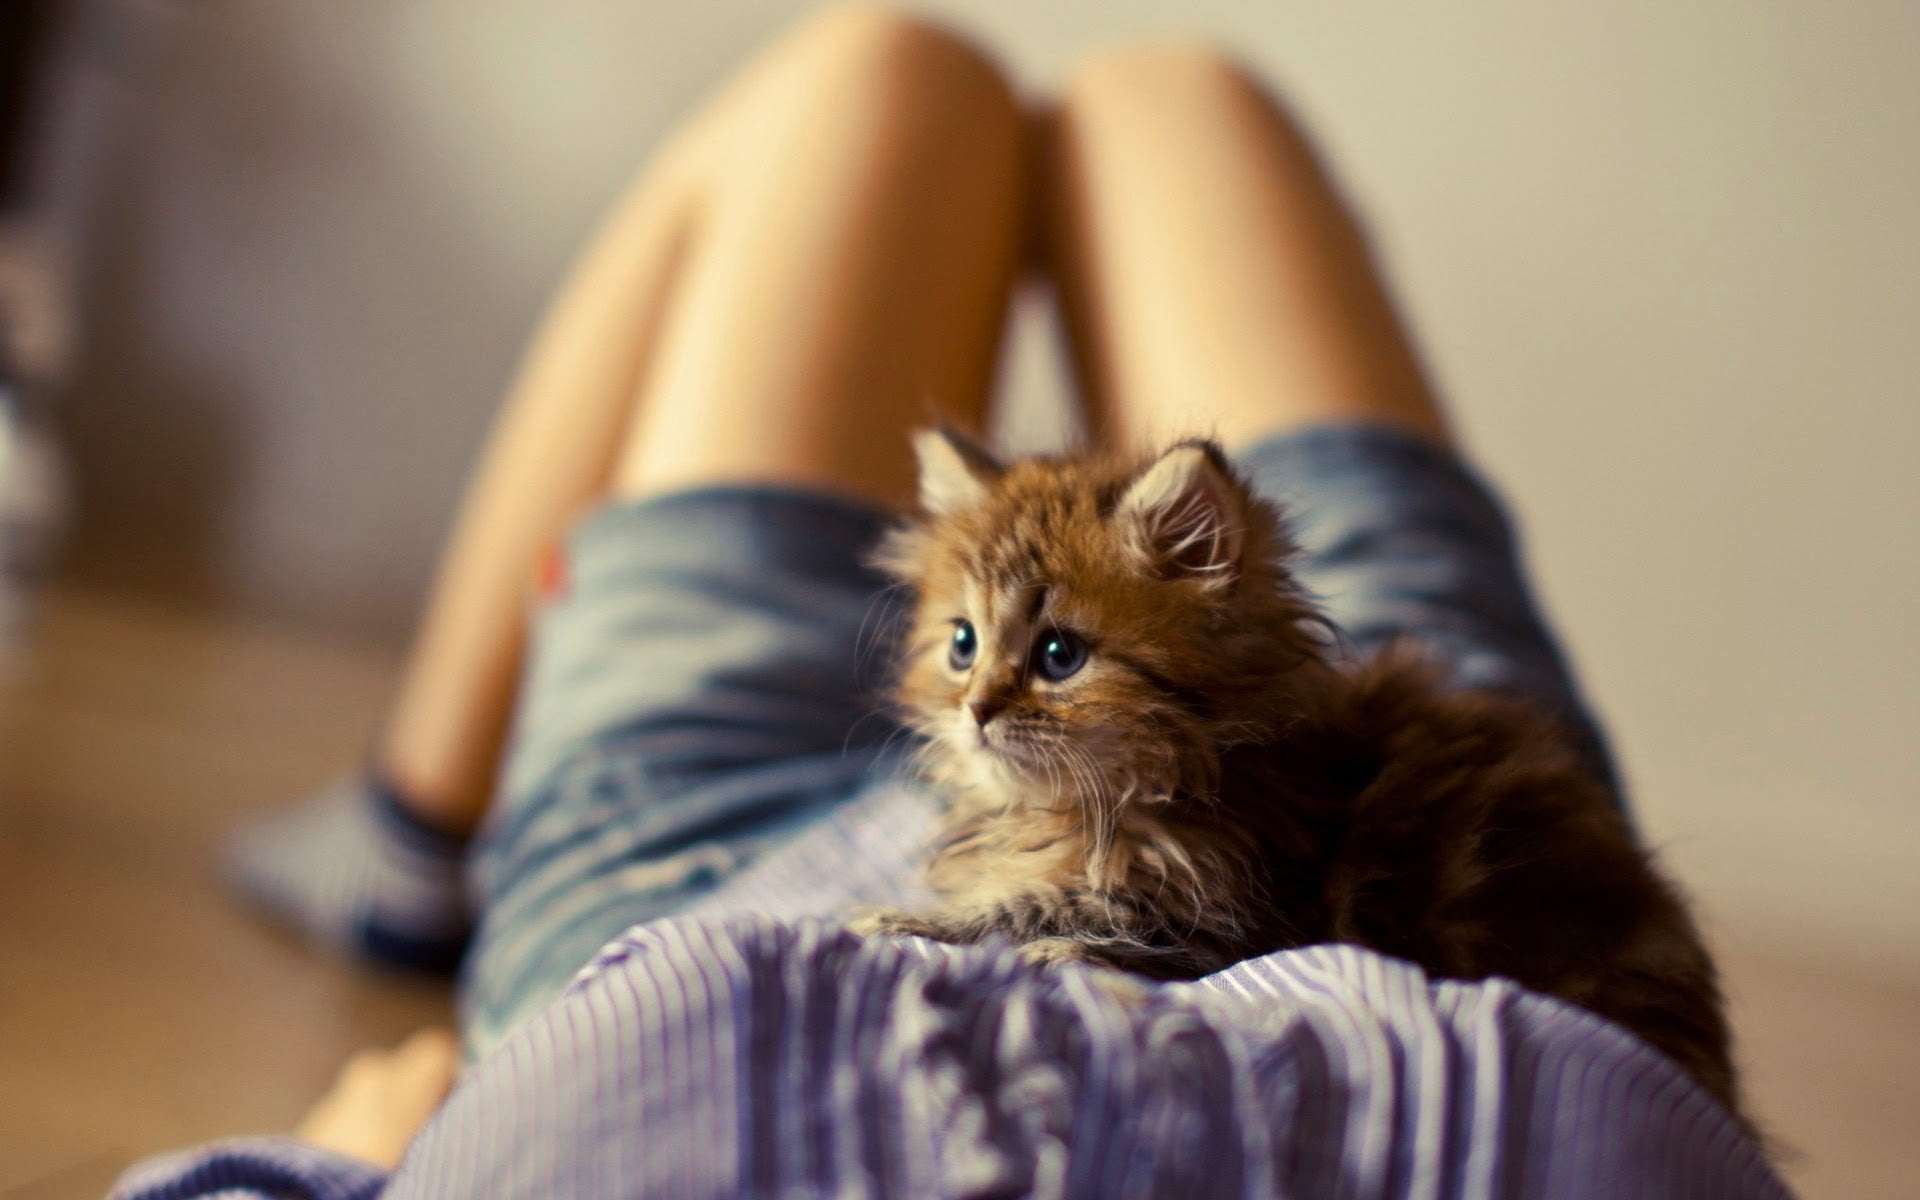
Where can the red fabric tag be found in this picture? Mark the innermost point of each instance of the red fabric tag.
(550, 579)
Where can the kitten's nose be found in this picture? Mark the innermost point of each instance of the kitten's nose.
(983, 710)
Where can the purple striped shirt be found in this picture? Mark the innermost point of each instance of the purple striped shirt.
(725, 1053)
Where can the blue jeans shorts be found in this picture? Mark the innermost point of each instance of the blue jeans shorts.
(705, 686)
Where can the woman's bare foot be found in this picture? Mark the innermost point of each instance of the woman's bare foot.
(383, 1098)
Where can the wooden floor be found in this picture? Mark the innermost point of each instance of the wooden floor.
(138, 1011)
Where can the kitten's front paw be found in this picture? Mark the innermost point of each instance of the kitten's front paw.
(891, 922)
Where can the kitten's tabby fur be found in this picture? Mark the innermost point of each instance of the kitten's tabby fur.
(1207, 787)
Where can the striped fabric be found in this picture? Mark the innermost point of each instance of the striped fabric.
(726, 1053)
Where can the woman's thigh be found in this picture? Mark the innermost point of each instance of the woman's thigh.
(1214, 278)
(852, 271)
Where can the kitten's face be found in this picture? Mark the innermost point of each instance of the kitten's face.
(1083, 627)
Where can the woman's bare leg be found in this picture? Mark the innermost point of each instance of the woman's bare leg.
(1212, 277)
(818, 262)
(852, 271)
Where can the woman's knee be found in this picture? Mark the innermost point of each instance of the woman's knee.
(917, 71)
(1143, 94)
(1166, 72)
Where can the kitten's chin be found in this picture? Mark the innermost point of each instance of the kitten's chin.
(1032, 772)
(1000, 765)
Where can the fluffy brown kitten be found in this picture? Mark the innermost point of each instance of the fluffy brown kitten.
(1151, 764)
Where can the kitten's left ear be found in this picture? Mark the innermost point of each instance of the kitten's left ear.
(1187, 513)
(955, 473)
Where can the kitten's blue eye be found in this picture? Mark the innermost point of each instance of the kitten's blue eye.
(963, 647)
(1060, 654)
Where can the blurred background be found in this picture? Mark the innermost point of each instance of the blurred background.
(265, 266)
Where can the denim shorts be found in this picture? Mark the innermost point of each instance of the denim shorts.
(704, 686)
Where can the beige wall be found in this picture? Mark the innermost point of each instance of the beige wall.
(1664, 256)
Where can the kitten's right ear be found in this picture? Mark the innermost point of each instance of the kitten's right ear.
(1187, 514)
(955, 472)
